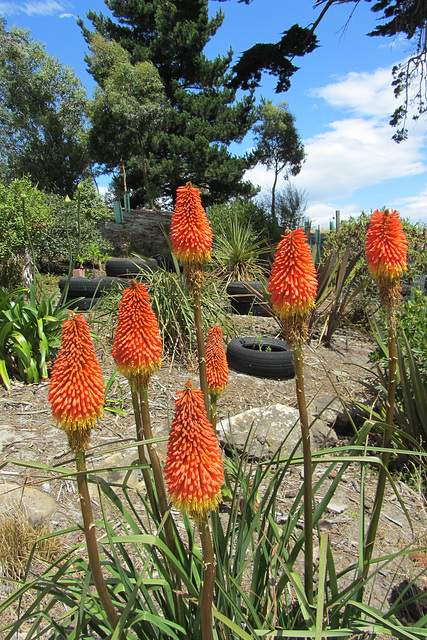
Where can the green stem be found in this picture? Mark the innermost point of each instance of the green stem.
(208, 579)
(385, 456)
(162, 497)
(213, 411)
(308, 475)
(157, 470)
(201, 350)
(141, 454)
(92, 547)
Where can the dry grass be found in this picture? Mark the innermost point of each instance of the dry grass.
(18, 539)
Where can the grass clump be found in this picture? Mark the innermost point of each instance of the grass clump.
(20, 541)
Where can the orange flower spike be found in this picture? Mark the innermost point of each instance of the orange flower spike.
(193, 469)
(137, 347)
(216, 362)
(76, 390)
(191, 234)
(293, 281)
(386, 245)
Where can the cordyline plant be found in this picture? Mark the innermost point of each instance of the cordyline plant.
(293, 286)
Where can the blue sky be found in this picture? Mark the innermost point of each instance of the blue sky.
(341, 98)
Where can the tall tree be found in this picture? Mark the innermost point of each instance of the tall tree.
(278, 144)
(205, 116)
(42, 115)
(129, 106)
(406, 17)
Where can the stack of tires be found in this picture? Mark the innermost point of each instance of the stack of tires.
(129, 267)
(248, 298)
(84, 293)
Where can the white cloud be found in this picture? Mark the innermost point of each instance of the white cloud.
(353, 155)
(364, 94)
(36, 8)
(415, 206)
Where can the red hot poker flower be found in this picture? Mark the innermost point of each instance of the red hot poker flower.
(293, 281)
(76, 390)
(386, 245)
(193, 468)
(191, 234)
(216, 362)
(137, 347)
(386, 249)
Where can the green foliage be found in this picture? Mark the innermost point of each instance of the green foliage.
(354, 231)
(237, 254)
(411, 392)
(173, 307)
(246, 212)
(204, 117)
(63, 234)
(129, 106)
(30, 332)
(258, 549)
(15, 231)
(42, 111)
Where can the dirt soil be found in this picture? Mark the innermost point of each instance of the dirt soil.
(32, 437)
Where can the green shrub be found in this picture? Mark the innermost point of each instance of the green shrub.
(63, 234)
(245, 211)
(19, 227)
(30, 333)
(237, 253)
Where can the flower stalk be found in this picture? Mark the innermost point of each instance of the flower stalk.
(386, 251)
(76, 394)
(91, 544)
(293, 286)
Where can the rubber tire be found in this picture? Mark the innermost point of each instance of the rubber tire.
(84, 304)
(90, 287)
(252, 308)
(277, 363)
(243, 291)
(129, 268)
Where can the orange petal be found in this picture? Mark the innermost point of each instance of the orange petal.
(386, 245)
(76, 390)
(293, 281)
(137, 347)
(216, 362)
(193, 468)
(191, 234)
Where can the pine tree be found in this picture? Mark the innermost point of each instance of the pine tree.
(204, 116)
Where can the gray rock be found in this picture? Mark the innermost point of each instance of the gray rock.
(37, 505)
(268, 428)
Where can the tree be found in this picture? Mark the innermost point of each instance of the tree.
(42, 115)
(407, 17)
(278, 144)
(129, 106)
(204, 116)
(291, 205)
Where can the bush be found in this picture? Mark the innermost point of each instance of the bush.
(237, 253)
(244, 211)
(19, 226)
(63, 234)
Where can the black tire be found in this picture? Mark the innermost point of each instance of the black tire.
(264, 358)
(253, 308)
(129, 268)
(248, 298)
(245, 291)
(89, 287)
(84, 304)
